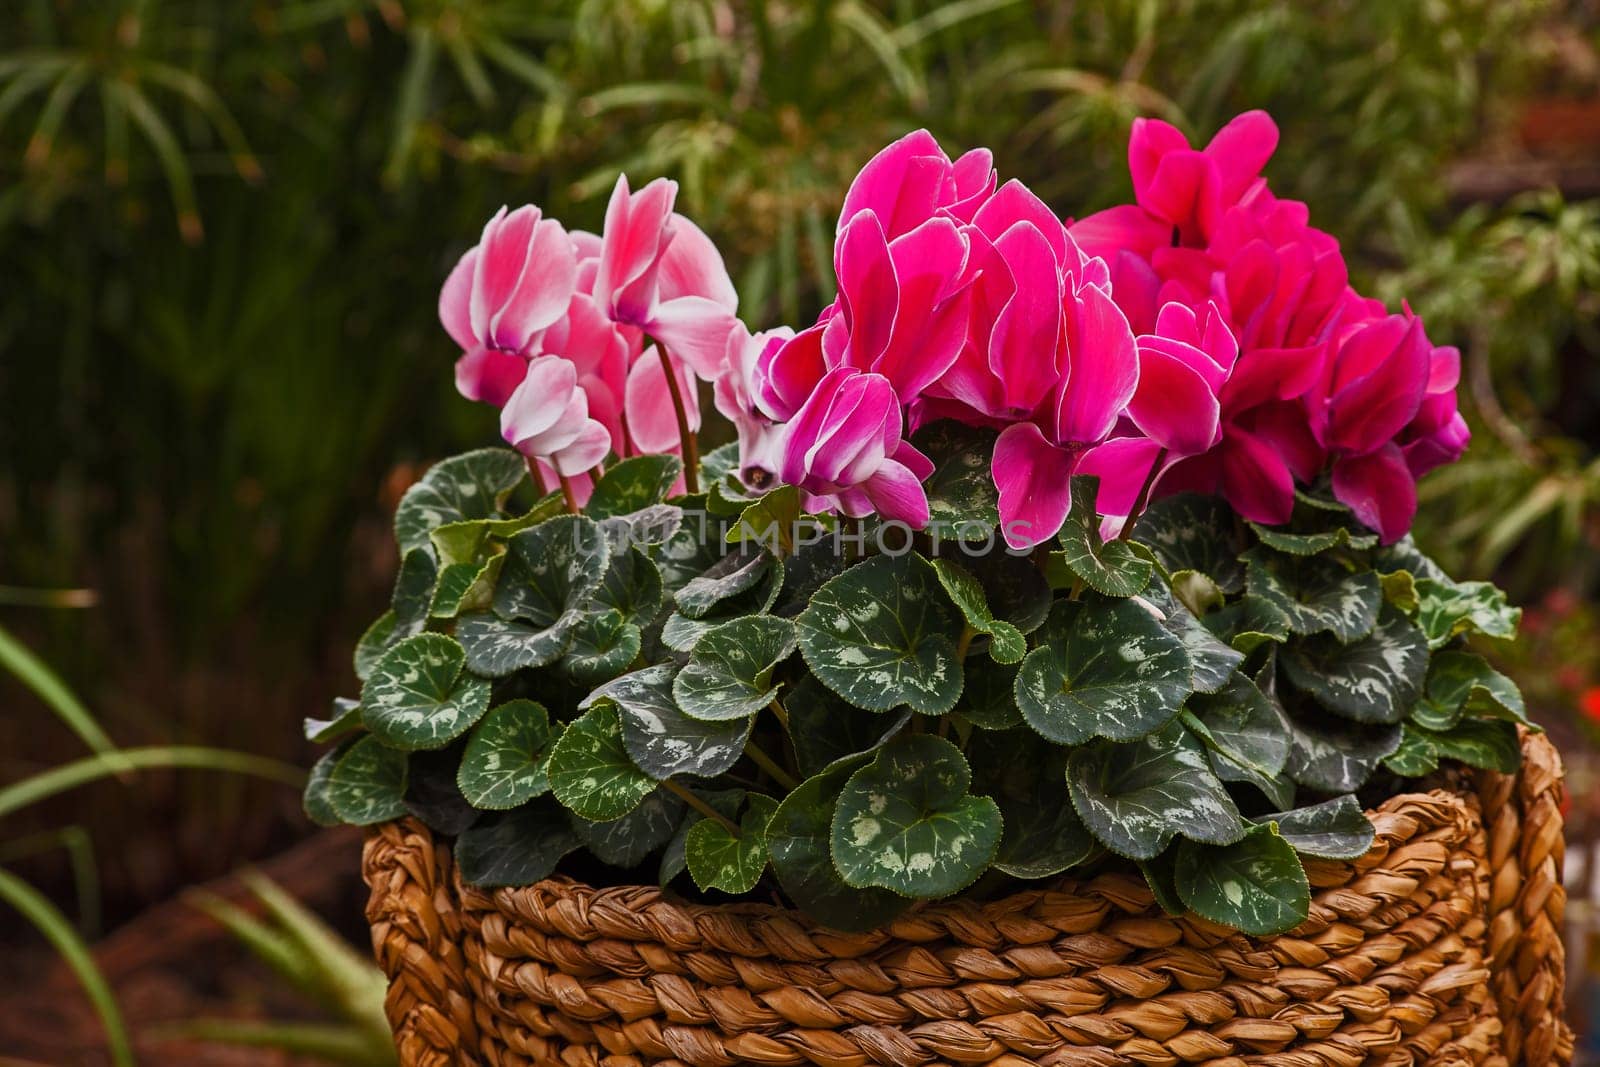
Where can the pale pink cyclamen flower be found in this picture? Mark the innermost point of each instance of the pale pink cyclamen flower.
(760, 438)
(546, 418)
(844, 449)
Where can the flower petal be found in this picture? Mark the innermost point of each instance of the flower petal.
(1173, 405)
(1379, 489)
(1102, 368)
(897, 494)
(903, 184)
(1034, 478)
(1255, 479)
(695, 329)
(489, 376)
(652, 420)
(542, 291)
(455, 301)
(692, 266)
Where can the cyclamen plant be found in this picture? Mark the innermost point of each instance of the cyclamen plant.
(1049, 546)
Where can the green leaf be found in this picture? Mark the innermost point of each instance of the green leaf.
(552, 571)
(962, 499)
(735, 573)
(660, 739)
(1119, 674)
(497, 647)
(413, 591)
(505, 759)
(470, 486)
(1111, 568)
(1247, 735)
(906, 823)
(771, 521)
(1159, 875)
(729, 674)
(1447, 608)
(1136, 797)
(603, 645)
(719, 859)
(515, 848)
(1488, 743)
(1043, 835)
(1190, 532)
(674, 861)
(1375, 679)
(368, 783)
(632, 485)
(988, 699)
(1006, 643)
(432, 794)
(883, 634)
(1248, 623)
(1415, 756)
(1331, 756)
(315, 801)
(465, 587)
(1255, 885)
(1336, 829)
(1213, 659)
(1311, 544)
(799, 837)
(825, 728)
(590, 770)
(418, 696)
(1400, 589)
(1316, 594)
(378, 639)
(719, 469)
(1462, 681)
(346, 719)
(632, 587)
(625, 842)
(682, 632)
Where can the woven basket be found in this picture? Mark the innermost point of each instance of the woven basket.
(1441, 946)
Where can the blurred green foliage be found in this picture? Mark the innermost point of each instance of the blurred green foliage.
(224, 226)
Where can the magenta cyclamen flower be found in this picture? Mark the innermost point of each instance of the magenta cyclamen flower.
(844, 448)
(547, 419)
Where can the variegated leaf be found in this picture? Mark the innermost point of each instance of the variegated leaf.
(1248, 736)
(1006, 643)
(735, 573)
(1118, 674)
(632, 485)
(733, 863)
(1111, 568)
(989, 699)
(1491, 744)
(729, 674)
(673, 859)
(1255, 885)
(1316, 594)
(631, 587)
(962, 499)
(346, 719)
(663, 741)
(1336, 829)
(515, 848)
(1333, 756)
(825, 728)
(1213, 659)
(432, 794)
(379, 637)
(418, 696)
(1043, 835)
(367, 784)
(625, 842)
(315, 801)
(1136, 797)
(772, 520)
(1190, 532)
(590, 771)
(1447, 608)
(505, 759)
(905, 822)
(465, 587)
(497, 647)
(1463, 682)
(470, 486)
(603, 645)
(883, 634)
(552, 571)
(413, 591)
(1375, 679)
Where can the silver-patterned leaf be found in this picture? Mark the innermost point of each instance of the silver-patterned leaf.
(905, 822)
(379, 637)
(552, 571)
(1136, 797)
(590, 770)
(1190, 532)
(631, 587)
(603, 645)
(1491, 744)
(367, 783)
(1118, 674)
(497, 647)
(315, 801)
(515, 848)
(1316, 594)
(1213, 659)
(1374, 679)
(729, 674)
(465, 587)
(1333, 756)
(733, 863)
(1006, 643)
(418, 696)
(470, 486)
(1255, 885)
(625, 842)
(1447, 608)
(505, 759)
(962, 499)
(1336, 829)
(1248, 736)
(413, 591)
(1043, 835)
(883, 634)
(633, 484)
(735, 573)
(663, 741)
(673, 859)
(1111, 568)
(346, 719)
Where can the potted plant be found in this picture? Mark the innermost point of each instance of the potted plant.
(1045, 674)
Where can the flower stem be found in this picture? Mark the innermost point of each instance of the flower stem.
(768, 764)
(699, 805)
(967, 634)
(538, 479)
(1143, 499)
(691, 447)
(781, 712)
(568, 494)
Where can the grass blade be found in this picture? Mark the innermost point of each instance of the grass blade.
(47, 685)
(92, 768)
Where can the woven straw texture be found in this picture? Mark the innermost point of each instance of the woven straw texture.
(1440, 946)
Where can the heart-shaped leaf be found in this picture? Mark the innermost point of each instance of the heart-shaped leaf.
(1331, 756)
(465, 587)
(1248, 736)
(883, 634)
(315, 801)
(505, 759)
(1491, 744)
(346, 719)
(1213, 659)
(552, 571)
(1006, 643)
(1190, 532)
(1316, 594)
(683, 632)
(1111, 568)
(470, 486)
(772, 521)
(1255, 885)
(825, 728)
(379, 637)
(1248, 623)
(799, 840)
(1374, 679)
(735, 573)
(632, 485)
(1461, 682)
(631, 587)
(1043, 835)
(1446, 608)
(674, 860)
(905, 822)
(1314, 530)
(590, 771)
(1119, 674)
(625, 842)
(962, 499)
(1160, 875)
(1336, 829)
(603, 645)
(1136, 797)
(367, 784)
(1415, 756)
(721, 859)
(515, 848)
(729, 674)
(413, 591)
(473, 539)
(497, 647)
(663, 741)
(418, 696)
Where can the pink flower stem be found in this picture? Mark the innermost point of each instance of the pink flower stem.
(566, 492)
(538, 479)
(1143, 499)
(691, 447)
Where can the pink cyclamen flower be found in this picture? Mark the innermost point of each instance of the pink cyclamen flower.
(547, 419)
(844, 449)
(760, 438)
(503, 293)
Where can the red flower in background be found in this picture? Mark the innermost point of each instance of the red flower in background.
(1589, 702)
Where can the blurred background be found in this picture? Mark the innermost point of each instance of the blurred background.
(223, 225)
